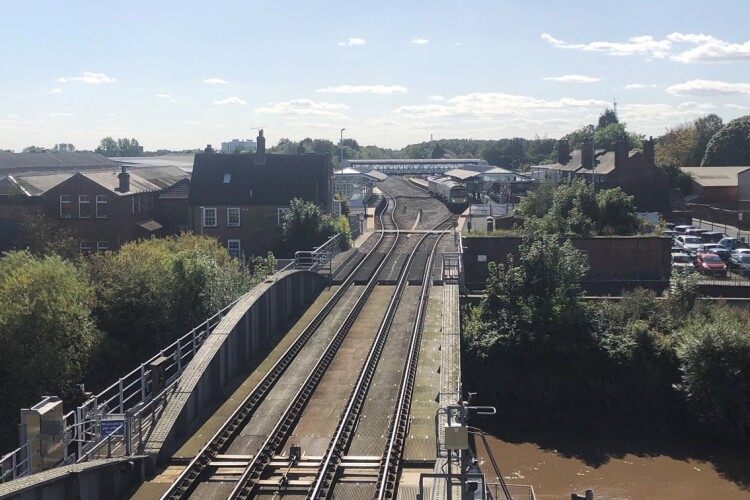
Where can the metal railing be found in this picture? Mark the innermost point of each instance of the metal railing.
(517, 491)
(135, 399)
(316, 259)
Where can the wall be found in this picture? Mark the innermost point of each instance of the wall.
(743, 186)
(252, 325)
(720, 215)
(98, 479)
(615, 262)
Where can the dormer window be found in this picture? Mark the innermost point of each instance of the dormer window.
(227, 178)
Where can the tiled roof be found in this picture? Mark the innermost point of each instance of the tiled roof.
(41, 183)
(220, 179)
(177, 191)
(18, 163)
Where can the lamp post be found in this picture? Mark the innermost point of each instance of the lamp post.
(593, 157)
(342, 147)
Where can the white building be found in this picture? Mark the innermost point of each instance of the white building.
(245, 145)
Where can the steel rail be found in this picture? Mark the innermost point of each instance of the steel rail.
(388, 474)
(252, 473)
(188, 480)
(334, 453)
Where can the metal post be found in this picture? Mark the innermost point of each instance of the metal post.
(179, 357)
(122, 396)
(342, 147)
(128, 433)
(593, 157)
(194, 347)
(143, 382)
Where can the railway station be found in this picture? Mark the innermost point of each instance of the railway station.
(338, 377)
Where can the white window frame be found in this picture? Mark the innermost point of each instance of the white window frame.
(102, 246)
(280, 215)
(65, 199)
(234, 252)
(101, 201)
(205, 217)
(230, 211)
(85, 246)
(83, 199)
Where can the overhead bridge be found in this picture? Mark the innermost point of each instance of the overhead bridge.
(413, 166)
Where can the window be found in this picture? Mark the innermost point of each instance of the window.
(85, 246)
(209, 217)
(65, 206)
(227, 178)
(233, 217)
(280, 213)
(102, 245)
(84, 207)
(233, 247)
(101, 206)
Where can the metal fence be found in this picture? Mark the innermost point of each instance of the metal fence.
(517, 491)
(134, 401)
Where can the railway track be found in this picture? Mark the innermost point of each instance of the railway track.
(226, 469)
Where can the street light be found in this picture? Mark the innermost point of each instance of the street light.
(593, 157)
(342, 147)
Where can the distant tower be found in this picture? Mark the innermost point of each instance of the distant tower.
(614, 104)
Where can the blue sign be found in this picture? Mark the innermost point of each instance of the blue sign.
(113, 427)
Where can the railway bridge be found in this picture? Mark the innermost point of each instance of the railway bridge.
(338, 377)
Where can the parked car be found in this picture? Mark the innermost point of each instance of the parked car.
(710, 264)
(713, 236)
(740, 251)
(715, 248)
(689, 243)
(682, 263)
(740, 262)
(733, 243)
(682, 228)
(670, 226)
(696, 231)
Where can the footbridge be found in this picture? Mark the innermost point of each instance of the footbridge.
(337, 377)
(413, 166)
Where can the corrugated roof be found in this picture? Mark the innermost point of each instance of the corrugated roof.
(49, 162)
(715, 176)
(184, 162)
(41, 183)
(275, 183)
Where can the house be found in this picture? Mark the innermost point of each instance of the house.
(241, 199)
(720, 186)
(635, 172)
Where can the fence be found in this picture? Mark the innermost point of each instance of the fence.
(517, 491)
(725, 228)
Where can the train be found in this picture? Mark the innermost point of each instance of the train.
(452, 193)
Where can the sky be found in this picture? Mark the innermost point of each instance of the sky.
(183, 74)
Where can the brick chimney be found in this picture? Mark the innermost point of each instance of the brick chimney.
(622, 148)
(260, 153)
(587, 153)
(124, 177)
(563, 152)
(648, 151)
(209, 149)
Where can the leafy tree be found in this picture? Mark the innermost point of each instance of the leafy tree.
(306, 226)
(607, 118)
(685, 145)
(437, 151)
(46, 330)
(730, 145)
(33, 149)
(120, 147)
(714, 353)
(538, 202)
(705, 128)
(108, 147)
(616, 212)
(64, 148)
(41, 236)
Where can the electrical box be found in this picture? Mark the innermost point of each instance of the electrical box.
(456, 437)
(158, 374)
(43, 424)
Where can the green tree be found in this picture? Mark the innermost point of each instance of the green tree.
(705, 128)
(108, 147)
(607, 118)
(616, 212)
(306, 226)
(46, 330)
(41, 236)
(677, 147)
(730, 145)
(33, 149)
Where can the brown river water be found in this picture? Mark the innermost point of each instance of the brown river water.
(615, 467)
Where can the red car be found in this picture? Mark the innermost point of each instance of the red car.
(710, 264)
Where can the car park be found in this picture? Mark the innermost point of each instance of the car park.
(670, 226)
(668, 232)
(741, 263)
(689, 243)
(733, 243)
(682, 228)
(696, 231)
(714, 248)
(710, 264)
(712, 236)
(682, 263)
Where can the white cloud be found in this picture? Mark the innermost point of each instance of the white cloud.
(709, 88)
(420, 41)
(365, 89)
(638, 45)
(735, 106)
(111, 114)
(164, 96)
(353, 41)
(89, 78)
(61, 114)
(230, 100)
(573, 79)
(635, 86)
(437, 98)
(55, 91)
(214, 81)
(305, 107)
(709, 49)
(458, 44)
(62, 79)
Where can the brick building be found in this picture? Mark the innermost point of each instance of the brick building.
(241, 199)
